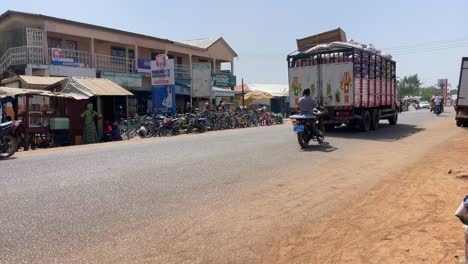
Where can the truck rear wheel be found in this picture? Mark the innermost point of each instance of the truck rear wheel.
(365, 121)
(459, 123)
(393, 120)
(375, 118)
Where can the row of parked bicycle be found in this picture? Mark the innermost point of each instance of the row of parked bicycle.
(161, 125)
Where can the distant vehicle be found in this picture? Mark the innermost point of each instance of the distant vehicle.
(357, 85)
(424, 104)
(461, 106)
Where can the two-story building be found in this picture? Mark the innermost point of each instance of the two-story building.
(39, 45)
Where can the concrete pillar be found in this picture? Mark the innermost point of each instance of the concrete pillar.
(93, 56)
(232, 67)
(136, 59)
(214, 65)
(190, 64)
(46, 48)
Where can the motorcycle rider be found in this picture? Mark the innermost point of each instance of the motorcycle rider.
(307, 103)
(437, 102)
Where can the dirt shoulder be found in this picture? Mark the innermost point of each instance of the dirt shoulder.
(406, 219)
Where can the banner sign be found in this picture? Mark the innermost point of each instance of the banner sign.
(201, 80)
(163, 99)
(224, 80)
(58, 58)
(124, 79)
(162, 71)
(144, 66)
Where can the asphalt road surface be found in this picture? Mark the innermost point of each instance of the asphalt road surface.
(218, 197)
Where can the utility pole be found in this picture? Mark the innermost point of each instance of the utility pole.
(243, 102)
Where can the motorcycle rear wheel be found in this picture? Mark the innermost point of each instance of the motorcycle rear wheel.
(8, 146)
(303, 142)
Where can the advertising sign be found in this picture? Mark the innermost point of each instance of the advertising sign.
(144, 66)
(163, 99)
(201, 80)
(58, 58)
(223, 80)
(124, 79)
(162, 71)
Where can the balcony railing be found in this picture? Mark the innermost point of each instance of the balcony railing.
(78, 57)
(20, 56)
(114, 64)
(182, 71)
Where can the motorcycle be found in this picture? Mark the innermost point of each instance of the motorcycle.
(197, 122)
(307, 127)
(8, 142)
(437, 110)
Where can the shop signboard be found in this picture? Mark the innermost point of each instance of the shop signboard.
(144, 66)
(162, 71)
(201, 80)
(223, 80)
(58, 58)
(163, 99)
(124, 79)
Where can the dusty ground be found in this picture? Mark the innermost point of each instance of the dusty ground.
(408, 219)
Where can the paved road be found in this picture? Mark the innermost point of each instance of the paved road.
(171, 200)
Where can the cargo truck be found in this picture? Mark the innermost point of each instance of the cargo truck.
(356, 83)
(461, 105)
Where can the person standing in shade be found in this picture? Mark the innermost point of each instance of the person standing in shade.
(90, 116)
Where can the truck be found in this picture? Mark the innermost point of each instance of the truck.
(461, 104)
(356, 83)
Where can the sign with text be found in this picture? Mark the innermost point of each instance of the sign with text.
(163, 99)
(223, 80)
(124, 79)
(59, 57)
(201, 80)
(162, 71)
(144, 66)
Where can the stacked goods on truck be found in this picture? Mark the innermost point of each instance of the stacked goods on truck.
(355, 82)
(461, 106)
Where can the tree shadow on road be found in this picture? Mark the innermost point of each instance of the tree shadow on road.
(386, 132)
(324, 147)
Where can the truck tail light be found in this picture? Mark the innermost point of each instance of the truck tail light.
(460, 108)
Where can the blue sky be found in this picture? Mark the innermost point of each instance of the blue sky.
(425, 37)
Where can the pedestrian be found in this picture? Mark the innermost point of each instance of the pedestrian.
(221, 106)
(207, 106)
(188, 108)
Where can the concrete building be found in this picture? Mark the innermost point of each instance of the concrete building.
(39, 45)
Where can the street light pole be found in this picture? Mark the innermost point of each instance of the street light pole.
(243, 102)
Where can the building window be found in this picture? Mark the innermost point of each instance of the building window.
(170, 57)
(179, 60)
(153, 55)
(202, 60)
(118, 54)
(54, 43)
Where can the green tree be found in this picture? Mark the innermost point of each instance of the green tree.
(410, 85)
(453, 92)
(428, 92)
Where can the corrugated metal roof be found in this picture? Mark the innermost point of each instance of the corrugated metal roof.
(39, 80)
(12, 92)
(33, 80)
(84, 88)
(202, 43)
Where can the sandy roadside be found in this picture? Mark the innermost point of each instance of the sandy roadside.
(407, 219)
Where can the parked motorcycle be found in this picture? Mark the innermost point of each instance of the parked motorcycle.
(307, 127)
(8, 142)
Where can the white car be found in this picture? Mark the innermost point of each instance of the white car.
(424, 104)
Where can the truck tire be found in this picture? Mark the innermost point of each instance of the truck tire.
(459, 123)
(365, 121)
(375, 118)
(393, 120)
